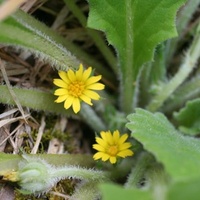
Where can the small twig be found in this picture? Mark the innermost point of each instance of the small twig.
(8, 113)
(15, 99)
(39, 136)
(10, 138)
(66, 197)
(11, 120)
(12, 133)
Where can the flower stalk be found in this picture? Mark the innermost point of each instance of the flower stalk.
(37, 176)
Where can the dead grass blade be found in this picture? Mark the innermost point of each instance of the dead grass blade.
(9, 7)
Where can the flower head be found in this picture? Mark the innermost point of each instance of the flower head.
(110, 146)
(76, 87)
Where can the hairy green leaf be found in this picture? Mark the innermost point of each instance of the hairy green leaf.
(179, 154)
(32, 98)
(111, 191)
(189, 117)
(184, 190)
(42, 100)
(134, 28)
(10, 161)
(24, 31)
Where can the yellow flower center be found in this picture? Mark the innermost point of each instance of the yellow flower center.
(112, 150)
(76, 88)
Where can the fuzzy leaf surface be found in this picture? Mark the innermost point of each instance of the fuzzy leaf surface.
(189, 117)
(111, 191)
(33, 98)
(22, 30)
(184, 190)
(44, 100)
(11, 161)
(134, 28)
(179, 154)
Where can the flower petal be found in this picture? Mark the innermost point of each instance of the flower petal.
(79, 73)
(124, 146)
(105, 156)
(60, 92)
(86, 99)
(107, 137)
(98, 155)
(96, 86)
(61, 98)
(68, 102)
(63, 76)
(110, 138)
(76, 105)
(92, 79)
(123, 138)
(116, 136)
(125, 153)
(98, 147)
(91, 94)
(101, 142)
(71, 75)
(86, 74)
(113, 159)
(104, 136)
(60, 83)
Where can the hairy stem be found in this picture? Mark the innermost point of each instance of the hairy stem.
(90, 116)
(188, 91)
(138, 171)
(186, 68)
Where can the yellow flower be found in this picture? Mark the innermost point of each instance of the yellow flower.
(110, 146)
(76, 87)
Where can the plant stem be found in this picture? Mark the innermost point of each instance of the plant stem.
(188, 91)
(138, 171)
(37, 176)
(87, 191)
(186, 68)
(79, 173)
(91, 118)
(158, 182)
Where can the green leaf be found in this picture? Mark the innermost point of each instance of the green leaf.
(152, 75)
(24, 31)
(11, 161)
(33, 98)
(184, 190)
(42, 100)
(21, 30)
(134, 28)
(111, 191)
(189, 117)
(179, 154)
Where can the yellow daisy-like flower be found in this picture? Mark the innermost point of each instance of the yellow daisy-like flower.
(110, 146)
(76, 87)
